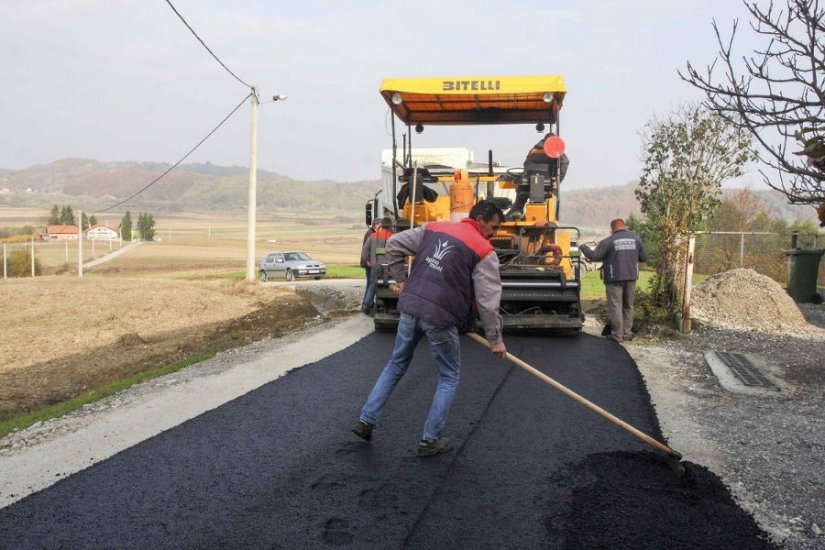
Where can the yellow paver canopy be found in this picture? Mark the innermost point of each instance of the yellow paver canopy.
(475, 100)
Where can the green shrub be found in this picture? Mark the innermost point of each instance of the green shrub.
(652, 310)
(20, 264)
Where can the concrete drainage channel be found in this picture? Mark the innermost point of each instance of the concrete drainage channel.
(740, 373)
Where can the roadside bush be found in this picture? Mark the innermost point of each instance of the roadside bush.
(20, 264)
(652, 312)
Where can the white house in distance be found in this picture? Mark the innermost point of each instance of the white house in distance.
(61, 232)
(102, 232)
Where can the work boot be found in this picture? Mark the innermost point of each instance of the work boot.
(614, 338)
(364, 430)
(434, 446)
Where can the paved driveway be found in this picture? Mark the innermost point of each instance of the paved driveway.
(278, 468)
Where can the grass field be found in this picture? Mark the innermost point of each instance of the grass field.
(199, 246)
(202, 245)
(593, 286)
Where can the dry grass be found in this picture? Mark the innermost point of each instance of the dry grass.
(51, 317)
(63, 336)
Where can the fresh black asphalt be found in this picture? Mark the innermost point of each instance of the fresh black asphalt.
(279, 468)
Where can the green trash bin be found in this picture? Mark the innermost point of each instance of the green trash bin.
(803, 270)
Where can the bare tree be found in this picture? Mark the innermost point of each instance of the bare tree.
(777, 93)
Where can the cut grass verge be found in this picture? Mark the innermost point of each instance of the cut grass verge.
(64, 407)
(593, 286)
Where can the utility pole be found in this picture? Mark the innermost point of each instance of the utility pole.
(80, 244)
(251, 267)
(253, 192)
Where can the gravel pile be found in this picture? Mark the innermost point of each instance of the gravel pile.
(742, 299)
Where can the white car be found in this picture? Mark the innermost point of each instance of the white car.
(291, 265)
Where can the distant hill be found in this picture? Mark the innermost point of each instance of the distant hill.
(93, 186)
(595, 207)
(197, 187)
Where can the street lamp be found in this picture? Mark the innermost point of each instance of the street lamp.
(253, 183)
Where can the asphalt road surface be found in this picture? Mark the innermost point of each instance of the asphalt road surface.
(279, 468)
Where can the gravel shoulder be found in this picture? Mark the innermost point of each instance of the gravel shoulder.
(767, 449)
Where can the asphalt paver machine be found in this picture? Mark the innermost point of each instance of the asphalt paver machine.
(540, 277)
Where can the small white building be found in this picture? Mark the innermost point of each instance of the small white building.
(102, 232)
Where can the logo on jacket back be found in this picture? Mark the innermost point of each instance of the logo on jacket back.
(441, 249)
(624, 244)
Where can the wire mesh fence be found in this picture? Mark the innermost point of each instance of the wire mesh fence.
(704, 255)
(765, 253)
(762, 252)
(35, 258)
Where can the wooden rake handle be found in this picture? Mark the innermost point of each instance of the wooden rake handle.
(589, 404)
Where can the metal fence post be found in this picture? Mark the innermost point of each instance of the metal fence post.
(688, 284)
(5, 263)
(32, 257)
(742, 250)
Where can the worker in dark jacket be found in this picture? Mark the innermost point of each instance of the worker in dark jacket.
(537, 162)
(376, 224)
(455, 268)
(620, 255)
(372, 256)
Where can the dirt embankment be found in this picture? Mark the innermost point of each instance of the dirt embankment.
(66, 336)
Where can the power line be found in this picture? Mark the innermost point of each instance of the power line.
(205, 46)
(157, 179)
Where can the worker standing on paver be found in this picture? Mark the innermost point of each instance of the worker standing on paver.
(620, 255)
(455, 268)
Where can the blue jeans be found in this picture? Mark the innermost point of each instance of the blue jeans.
(447, 358)
(369, 294)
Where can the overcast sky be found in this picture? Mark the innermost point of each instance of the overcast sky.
(118, 80)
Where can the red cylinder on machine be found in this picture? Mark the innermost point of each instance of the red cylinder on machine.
(461, 196)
